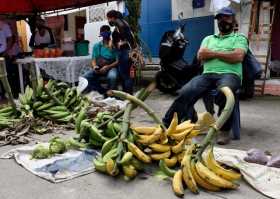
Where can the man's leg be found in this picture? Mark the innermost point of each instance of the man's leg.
(112, 76)
(188, 96)
(234, 83)
(93, 82)
(124, 71)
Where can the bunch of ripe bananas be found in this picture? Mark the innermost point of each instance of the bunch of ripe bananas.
(170, 145)
(144, 145)
(204, 172)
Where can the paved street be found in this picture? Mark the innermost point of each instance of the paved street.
(260, 129)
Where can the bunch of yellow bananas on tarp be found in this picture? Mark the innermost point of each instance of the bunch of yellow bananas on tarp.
(203, 172)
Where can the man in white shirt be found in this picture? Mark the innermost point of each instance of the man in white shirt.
(42, 37)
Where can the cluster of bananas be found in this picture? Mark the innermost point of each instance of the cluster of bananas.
(8, 116)
(58, 101)
(116, 154)
(204, 172)
(120, 156)
(170, 145)
(151, 144)
(90, 132)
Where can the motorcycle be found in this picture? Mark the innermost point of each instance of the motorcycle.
(175, 71)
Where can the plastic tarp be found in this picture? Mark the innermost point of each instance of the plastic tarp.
(32, 6)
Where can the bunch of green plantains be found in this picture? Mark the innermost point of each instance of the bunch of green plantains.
(55, 101)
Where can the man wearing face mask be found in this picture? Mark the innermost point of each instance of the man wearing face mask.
(222, 55)
(104, 62)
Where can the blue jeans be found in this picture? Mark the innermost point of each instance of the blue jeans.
(197, 88)
(124, 71)
(94, 80)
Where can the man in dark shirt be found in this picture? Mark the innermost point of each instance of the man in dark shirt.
(123, 40)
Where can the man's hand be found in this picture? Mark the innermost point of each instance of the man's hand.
(104, 70)
(205, 53)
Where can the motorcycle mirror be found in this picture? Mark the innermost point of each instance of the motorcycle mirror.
(180, 15)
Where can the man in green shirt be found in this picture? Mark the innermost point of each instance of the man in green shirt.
(222, 57)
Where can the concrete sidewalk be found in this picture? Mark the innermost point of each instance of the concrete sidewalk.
(260, 129)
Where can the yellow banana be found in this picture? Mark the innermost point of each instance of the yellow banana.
(180, 136)
(202, 183)
(160, 148)
(149, 139)
(160, 156)
(193, 134)
(178, 147)
(170, 162)
(144, 130)
(204, 121)
(111, 167)
(163, 138)
(129, 171)
(187, 175)
(180, 156)
(140, 155)
(212, 178)
(177, 183)
(213, 165)
(173, 124)
(184, 126)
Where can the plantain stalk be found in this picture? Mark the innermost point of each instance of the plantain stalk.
(213, 131)
(140, 103)
(33, 78)
(143, 96)
(5, 82)
(126, 115)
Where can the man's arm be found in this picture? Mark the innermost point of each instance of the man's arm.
(232, 57)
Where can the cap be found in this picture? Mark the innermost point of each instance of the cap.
(225, 11)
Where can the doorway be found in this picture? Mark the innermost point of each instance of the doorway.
(80, 22)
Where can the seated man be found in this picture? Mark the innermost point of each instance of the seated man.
(104, 63)
(222, 55)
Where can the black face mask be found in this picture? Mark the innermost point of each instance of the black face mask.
(111, 23)
(225, 27)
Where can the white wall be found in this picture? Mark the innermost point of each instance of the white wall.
(71, 24)
(96, 17)
(185, 6)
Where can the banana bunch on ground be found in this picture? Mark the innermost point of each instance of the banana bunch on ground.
(26, 101)
(56, 101)
(201, 172)
(8, 116)
(168, 146)
(90, 130)
(120, 157)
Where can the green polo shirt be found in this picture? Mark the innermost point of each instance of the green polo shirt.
(225, 43)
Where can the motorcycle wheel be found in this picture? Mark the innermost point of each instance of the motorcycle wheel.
(166, 83)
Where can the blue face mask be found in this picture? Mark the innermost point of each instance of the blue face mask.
(105, 35)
